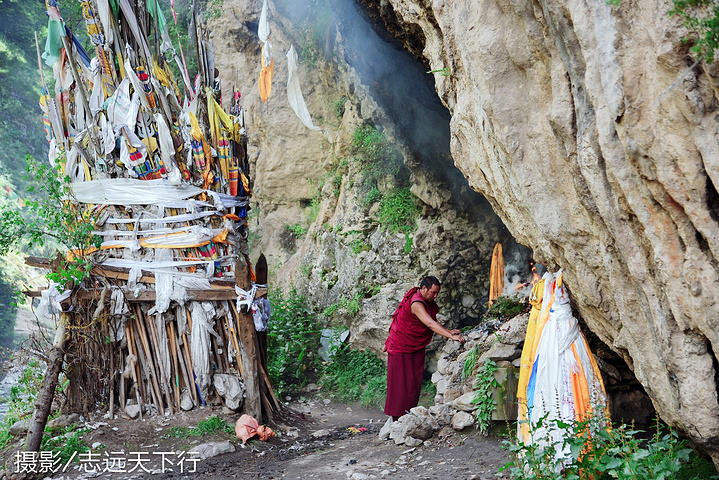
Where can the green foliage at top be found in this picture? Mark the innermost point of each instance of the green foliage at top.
(51, 215)
(398, 211)
(293, 339)
(505, 307)
(20, 115)
(354, 375)
(603, 454)
(702, 18)
(212, 8)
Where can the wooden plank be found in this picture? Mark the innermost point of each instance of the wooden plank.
(246, 327)
(195, 295)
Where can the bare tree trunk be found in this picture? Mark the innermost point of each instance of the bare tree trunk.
(47, 393)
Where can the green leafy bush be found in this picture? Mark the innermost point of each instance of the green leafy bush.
(293, 338)
(602, 454)
(373, 196)
(296, 229)
(484, 383)
(66, 446)
(354, 375)
(359, 244)
(50, 216)
(398, 211)
(700, 17)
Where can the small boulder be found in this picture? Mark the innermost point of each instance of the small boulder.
(21, 427)
(462, 420)
(413, 442)
(208, 450)
(386, 429)
(231, 389)
(442, 413)
(63, 421)
(186, 401)
(321, 433)
(133, 411)
(465, 402)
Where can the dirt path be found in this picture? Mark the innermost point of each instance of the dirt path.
(313, 441)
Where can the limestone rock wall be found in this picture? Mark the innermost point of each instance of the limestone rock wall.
(584, 127)
(310, 216)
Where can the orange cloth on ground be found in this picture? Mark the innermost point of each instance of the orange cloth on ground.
(247, 427)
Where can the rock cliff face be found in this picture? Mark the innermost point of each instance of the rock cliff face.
(312, 212)
(596, 144)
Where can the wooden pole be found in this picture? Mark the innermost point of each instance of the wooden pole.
(130, 341)
(148, 355)
(164, 388)
(123, 397)
(189, 358)
(148, 387)
(253, 405)
(173, 352)
(185, 372)
(233, 338)
(81, 90)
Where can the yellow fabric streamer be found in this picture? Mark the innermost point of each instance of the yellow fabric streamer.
(496, 274)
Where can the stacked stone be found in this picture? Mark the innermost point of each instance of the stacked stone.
(454, 403)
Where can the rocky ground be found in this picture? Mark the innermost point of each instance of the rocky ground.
(314, 440)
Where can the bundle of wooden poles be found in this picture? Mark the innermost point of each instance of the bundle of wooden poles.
(121, 124)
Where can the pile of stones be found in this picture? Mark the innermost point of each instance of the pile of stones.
(500, 342)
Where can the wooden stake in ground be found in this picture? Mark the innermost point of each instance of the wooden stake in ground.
(47, 393)
(253, 405)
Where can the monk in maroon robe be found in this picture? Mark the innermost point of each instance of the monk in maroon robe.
(413, 324)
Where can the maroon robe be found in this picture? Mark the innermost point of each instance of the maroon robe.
(405, 348)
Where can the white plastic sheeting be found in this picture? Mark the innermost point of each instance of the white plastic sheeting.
(203, 314)
(127, 191)
(139, 265)
(231, 389)
(294, 93)
(48, 310)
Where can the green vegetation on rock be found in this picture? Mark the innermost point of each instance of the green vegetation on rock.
(701, 17)
(504, 307)
(398, 211)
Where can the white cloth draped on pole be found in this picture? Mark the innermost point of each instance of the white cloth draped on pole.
(263, 31)
(565, 384)
(294, 93)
